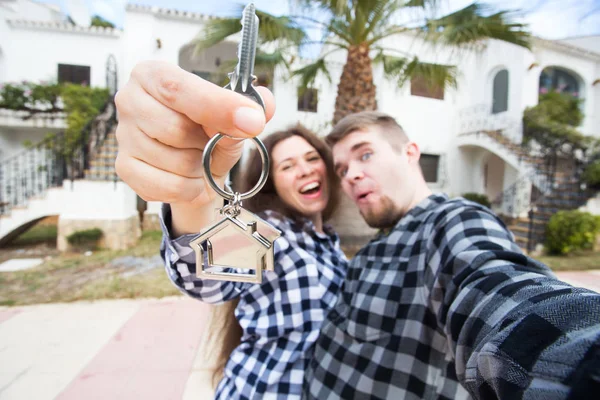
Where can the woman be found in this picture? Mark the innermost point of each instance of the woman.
(268, 329)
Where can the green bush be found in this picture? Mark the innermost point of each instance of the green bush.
(569, 231)
(85, 239)
(591, 175)
(80, 103)
(478, 198)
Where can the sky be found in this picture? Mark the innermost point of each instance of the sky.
(549, 19)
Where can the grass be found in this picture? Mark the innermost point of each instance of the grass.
(38, 234)
(72, 277)
(576, 262)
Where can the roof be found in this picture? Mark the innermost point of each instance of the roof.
(168, 12)
(566, 48)
(63, 26)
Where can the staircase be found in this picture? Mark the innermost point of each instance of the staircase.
(102, 165)
(31, 182)
(566, 194)
(553, 189)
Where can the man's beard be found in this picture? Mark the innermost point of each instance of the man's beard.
(385, 215)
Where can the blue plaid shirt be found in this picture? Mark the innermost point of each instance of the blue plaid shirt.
(280, 318)
(446, 306)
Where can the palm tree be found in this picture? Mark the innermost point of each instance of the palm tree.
(359, 27)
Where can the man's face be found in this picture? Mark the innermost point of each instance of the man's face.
(378, 178)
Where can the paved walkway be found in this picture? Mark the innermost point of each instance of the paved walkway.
(124, 349)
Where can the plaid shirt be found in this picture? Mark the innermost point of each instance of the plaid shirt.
(280, 317)
(446, 306)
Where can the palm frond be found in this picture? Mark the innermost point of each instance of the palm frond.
(379, 13)
(263, 62)
(269, 61)
(341, 28)
(468, 26)
(309, 73)
(216, 31)
(336, 7)
(401, 70)
(272, 28)
(421, 3)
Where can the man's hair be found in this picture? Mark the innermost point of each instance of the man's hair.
(387, 126)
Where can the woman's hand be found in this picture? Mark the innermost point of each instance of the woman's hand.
(166, 117)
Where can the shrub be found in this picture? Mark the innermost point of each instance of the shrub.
(478, 198)
(591, 175)
(85, 239)
(569, 231)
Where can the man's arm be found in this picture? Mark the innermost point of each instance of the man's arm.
(514, 330)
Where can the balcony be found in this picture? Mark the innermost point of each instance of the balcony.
(16, 120)
(479, 118)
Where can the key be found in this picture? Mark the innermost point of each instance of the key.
(242, 78)
(239, 246)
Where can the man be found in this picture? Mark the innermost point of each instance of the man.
(442, 304)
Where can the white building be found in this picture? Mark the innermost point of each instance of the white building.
(497, 82)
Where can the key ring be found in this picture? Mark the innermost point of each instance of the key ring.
(264, 175)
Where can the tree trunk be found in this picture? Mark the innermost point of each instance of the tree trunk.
(356, 91)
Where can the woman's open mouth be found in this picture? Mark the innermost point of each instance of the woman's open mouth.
(311, 190)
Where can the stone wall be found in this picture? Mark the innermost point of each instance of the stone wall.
(151, 221)
(118, 234)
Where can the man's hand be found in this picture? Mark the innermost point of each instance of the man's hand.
(166, 117)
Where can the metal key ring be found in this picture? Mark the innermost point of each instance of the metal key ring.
(264, 175)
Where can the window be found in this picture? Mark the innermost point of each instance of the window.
(429, 166)
(500, 92)
(419, 87)
(559, 80)
(79, 74)
(307, 100)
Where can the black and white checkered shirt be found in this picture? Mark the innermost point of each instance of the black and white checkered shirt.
(446, 306)
(280, 318)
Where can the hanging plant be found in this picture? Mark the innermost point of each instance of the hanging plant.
(80, 104)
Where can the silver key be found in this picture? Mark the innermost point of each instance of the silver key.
(242, 78)
(239, 245)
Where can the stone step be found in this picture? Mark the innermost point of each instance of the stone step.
(101, 164)
(542, 216)
(110, 146)
(101, 175)
(520, 230)
(537, 224)
(105, 157)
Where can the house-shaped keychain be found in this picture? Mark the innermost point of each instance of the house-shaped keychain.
(235, 248)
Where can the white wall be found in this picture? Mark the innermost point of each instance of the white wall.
(98, 200)
(34, 55)
(495, 176)
(2, 65)
(139, 42)
(31, 10)
(591, 43)
(11, 140)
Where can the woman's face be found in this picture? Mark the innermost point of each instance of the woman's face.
(300, 176)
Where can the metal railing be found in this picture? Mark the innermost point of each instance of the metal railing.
(479, 118)
(530, 188)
